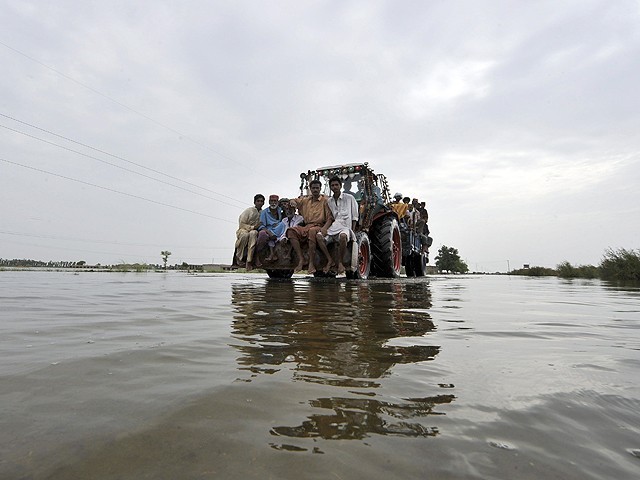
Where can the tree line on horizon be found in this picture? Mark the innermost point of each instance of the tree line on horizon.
(25, 262)
(618, 265)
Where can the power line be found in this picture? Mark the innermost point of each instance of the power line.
(147, 117)
(117, 156)
(118, 166)
(113, 190)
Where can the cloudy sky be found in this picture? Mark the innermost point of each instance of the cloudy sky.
(127, 128)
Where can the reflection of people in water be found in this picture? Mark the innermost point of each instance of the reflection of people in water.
(333, 337)
(356, 418)
(332, 331)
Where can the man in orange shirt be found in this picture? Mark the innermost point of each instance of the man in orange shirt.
(317, 217)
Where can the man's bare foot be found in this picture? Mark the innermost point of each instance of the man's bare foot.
(329, 266)
(249, 267)
(312, 269)
(299, 267)
(269, 259)
(341, 268)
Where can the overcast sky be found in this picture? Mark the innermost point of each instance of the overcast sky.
(128, 128)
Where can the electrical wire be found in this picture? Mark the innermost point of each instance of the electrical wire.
(147, 117)
(113, 190)
(115, 165)
(109, 154)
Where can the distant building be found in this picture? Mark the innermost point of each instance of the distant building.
(216, 267)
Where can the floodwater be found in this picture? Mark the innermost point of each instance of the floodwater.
(230, 376)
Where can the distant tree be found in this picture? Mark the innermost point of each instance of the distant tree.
(448, 260)
(165, 256)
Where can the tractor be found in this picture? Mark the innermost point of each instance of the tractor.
(384, 243)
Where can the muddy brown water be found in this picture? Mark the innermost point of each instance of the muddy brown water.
(176, 376)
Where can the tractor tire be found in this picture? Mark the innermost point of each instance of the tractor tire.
(420, 261)
(363, 266)
(408, 266)
(386, 247)
(279, 273)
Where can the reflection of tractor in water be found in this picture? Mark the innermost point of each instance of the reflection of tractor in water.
(384, 242)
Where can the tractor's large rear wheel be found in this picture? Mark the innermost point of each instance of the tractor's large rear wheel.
(386, 247)
(363, 265)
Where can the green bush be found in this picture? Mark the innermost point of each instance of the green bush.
(588, 271)
(621, 264)
(534, 272)
(566, 270)
(128, 267)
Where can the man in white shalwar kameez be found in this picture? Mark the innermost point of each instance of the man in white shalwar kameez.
(344, 209)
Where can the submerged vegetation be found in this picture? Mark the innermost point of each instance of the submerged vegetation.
(534, 272)
(566, 270)
(131, 267)
(617, 265)
(620, 265)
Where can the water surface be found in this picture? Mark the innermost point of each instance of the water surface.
(128, 376)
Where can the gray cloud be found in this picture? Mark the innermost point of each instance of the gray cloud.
(515, 122)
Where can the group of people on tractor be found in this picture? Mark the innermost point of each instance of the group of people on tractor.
(321, 221)
(413, 215)
(315, 220)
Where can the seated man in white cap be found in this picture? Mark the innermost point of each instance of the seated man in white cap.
(270, 229)
(247, 232)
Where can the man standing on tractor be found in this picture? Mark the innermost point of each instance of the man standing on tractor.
(399, 206)
(422, 229)
(423, 211)
(317, 216)
(412, 215)
(344, 209)
(247, 232)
